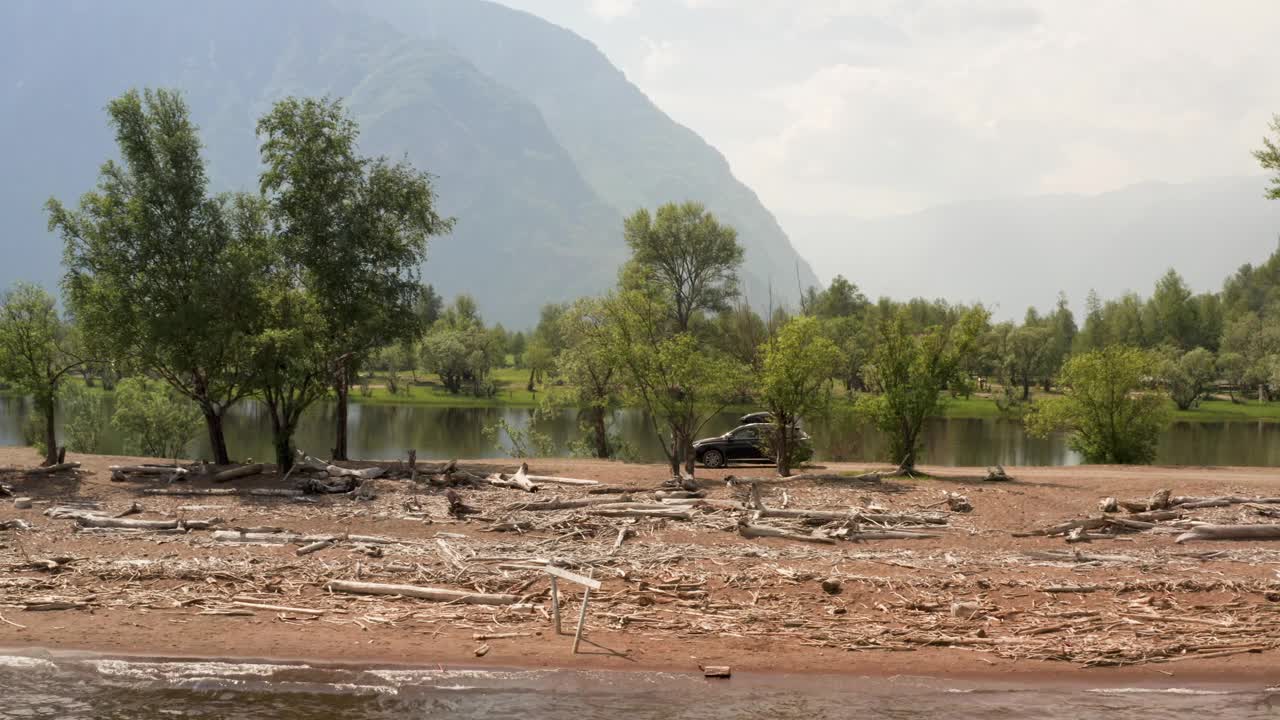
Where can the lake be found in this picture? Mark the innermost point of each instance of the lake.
(86, 687)
(386, 431)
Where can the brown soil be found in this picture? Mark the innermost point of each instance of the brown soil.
(677, 594)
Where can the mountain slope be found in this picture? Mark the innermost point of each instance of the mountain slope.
(1019, 252)
(530, 229)
(631, 153)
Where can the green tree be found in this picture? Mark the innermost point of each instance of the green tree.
(840, 299)
(591, 371)
(159, 275)
(1233, 367)
(1269, 158)
(679, 381)
(1189, 376)
(1029, 347)
(154, 420)
(36, 354)
(796, 380)
(1171, 313)
(356, 227)
(1109, 417)
(82, 411)
(910, 371)
(689, 254)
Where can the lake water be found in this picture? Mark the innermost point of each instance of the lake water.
(74, 688)
(386, 431)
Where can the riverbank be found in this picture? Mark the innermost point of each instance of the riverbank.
(972, 600)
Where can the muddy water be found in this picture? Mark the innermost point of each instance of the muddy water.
(82, 687)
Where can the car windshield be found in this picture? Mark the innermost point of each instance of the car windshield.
(746, 433)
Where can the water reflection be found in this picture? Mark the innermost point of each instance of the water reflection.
(387, 431)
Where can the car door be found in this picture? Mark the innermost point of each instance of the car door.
(743, 444)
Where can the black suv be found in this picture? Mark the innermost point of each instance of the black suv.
(745, 443)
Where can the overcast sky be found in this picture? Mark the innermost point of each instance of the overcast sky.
(874, 107)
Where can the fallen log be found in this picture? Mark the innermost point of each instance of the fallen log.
(285, 538)
(873, 517)
(747, 530)
(1231, 532)
(519, 481)
(553, 480)
(315, 546)
(259, 492)
(122, 473)
(997, 474)
(555, 504)
(617, 490)
(277, 608)
(421, 593)
(458, 508)
(328, 485)
(15, 524)
(667, 513)
(50, 469)
(237, 472)
(130, 523)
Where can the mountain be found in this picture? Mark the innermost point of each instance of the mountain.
(538, 219)
(1012, 253)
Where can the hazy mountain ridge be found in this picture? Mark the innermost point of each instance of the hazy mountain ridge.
(1112, 242)
(534, 226)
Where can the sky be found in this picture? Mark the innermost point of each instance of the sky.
(866, 108)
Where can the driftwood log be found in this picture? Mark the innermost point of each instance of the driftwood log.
(237, 472)
(121, 473)
(519, 481)
(259, 492)
(747, 530)
(1231, 532)
(285, 538)
(50, 469)
(421, 593)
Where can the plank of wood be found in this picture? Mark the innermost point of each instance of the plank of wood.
(572, 577)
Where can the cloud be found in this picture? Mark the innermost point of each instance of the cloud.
(661, 56)
(609, 10)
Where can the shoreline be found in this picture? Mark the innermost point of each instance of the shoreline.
(1202, 678)
(681, 590)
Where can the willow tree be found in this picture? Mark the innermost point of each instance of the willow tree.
(680, 382)
(36, 354)
(690, 255)
(909, 372)
(1105, 410)
(158, 272)
(799, 365)
(592, 372)
(356, 227)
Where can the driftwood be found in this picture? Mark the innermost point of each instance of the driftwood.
(617, 490)
(259, 492)
(22, 503)
(667, 513)
(458, 508)
(330, 485)
(50, 469)
(121, 473)
(856, 515)
(421, 593)
(1231, 532)
(1164, 500)
(6, 490)
(556, 504)
(553, 480)
(519, 481)
(748, 530)
(285, 538)
(997, 474)
(15, 524)
(238, 472)
(315, 546)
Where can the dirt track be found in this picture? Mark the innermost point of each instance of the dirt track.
(677, 593)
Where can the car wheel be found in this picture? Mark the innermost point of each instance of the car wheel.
(713, 459)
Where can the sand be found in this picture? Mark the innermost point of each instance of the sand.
(677, 595)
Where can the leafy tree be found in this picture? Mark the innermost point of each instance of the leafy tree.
(1233, 367)
(356, 227)
(540, 360)
(910, 371)
(1063, 331)
(840, 299)
(1189, 376)
(1269, 158)
(1029, 347)
(82, 411)
(160, 276)
(591, 371)
(689, 254)
(679, 381)
(1171, 313)
(36, 354)
(796, 380)
(428, 306)
(517, 347)
(445, 353)
(1109, 417)
(738, 333)
(294, 369)
(155, 421)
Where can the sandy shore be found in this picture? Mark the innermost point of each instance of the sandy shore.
(677, 593)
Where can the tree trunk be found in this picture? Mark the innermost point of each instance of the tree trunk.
(601, 432)
(1026, 388)
(784, 447)
(343, 389)
(1047, 385)
(50, 436)
(282, 440)
(673, 457)
(690, 458)
(217, 439)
